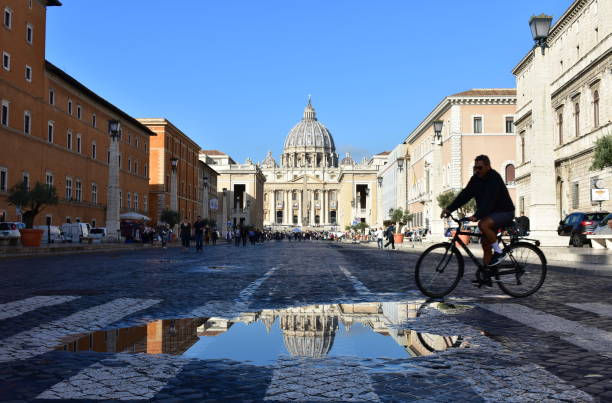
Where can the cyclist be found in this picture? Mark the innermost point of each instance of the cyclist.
(494, 208)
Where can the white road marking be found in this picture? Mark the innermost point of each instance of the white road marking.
(357, 285)
(595, 307)
(16, 308)
(46, 337)
(139, 377)
(587, 337)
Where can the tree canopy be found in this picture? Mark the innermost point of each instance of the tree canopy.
(32, 201)
(170, 217)
(602, 155)
(445, 199)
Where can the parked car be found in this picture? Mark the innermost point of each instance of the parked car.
(9, 232)
(605, 226)
(97, 234)
(55, 231)
(578, 225)
(75, 232)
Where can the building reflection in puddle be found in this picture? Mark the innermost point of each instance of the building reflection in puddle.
(366, 330)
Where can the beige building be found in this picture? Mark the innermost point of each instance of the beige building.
(208, 194)
(240, 189)
(312, 188)
(478, 121)
(564, 104)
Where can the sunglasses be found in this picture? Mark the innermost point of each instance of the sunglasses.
(478, 168)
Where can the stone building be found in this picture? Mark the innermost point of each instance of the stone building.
(312, 188)
(564, 105)
(174, 180)
(239, 191)
(478, 121)
(54, 130)
(209, 198)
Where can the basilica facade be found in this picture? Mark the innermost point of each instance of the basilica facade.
(312, 188)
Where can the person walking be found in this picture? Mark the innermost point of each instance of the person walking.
(213, 236)
(389, 235)
(163, 235)
(243, 235)
(237, 233)
(198, 227)
(380, 236)
(185, 232)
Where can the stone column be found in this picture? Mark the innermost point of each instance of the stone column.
(272, 207)
(312, 207)
(112, 193)
(284, 207)
(324, 207)
(300, 210)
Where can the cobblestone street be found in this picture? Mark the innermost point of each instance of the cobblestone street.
(308, 321)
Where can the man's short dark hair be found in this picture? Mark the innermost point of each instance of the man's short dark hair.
(484, 159)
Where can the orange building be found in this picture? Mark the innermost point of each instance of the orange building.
(173, 187)
(54, 130)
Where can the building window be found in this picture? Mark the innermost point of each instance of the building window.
(120, 198)
(575, 195)
(51, 97)
(30, 4)
(522, 205)
(26, 180)
(93, 120)
(94, 153)
(478, 124)
(4, 118)
(69, 107)
(510, 174)
(6, 61)
(27, 122)
(136, 142)
(119, 160)
(8, 18)
(69, 140)
(29, 33)
(50, 132)
(94, 193)
(78, 143)
(129, 164)
(79, 112)
(28, 73)
(129, 200)
(78, 191)
(145, 147)
(577, 118)
(560, 126)
(68, 194)
(108, 156)
(596, 108)
(135, 201)
(509, 124)
(49, 179)
(129, 138)
(146, 171)
(136, 167)
(3, 179)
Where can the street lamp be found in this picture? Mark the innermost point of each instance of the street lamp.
(367, 191)
(174, 162)
(400, 163)
(437, 125)
(114, 127)
(380, 181)
(540, 27)
(205, 182)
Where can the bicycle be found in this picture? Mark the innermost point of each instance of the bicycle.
(522, 272)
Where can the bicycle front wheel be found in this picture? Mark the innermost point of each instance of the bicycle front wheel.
(523, 271)
(439, 270)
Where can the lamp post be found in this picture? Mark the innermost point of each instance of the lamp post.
(400, 163)
(112, 194)
(173, 184)
(540, 28)
(437, 224)
(380, 181)
(205, 196)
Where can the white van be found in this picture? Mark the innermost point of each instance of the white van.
(97, 234)
(76, 232)
(56, 233)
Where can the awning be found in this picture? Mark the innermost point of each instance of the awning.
(132, 215)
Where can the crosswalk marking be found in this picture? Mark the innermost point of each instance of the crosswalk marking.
(587, 337)
(16, 308)
(137, 377)
(46, 337)
(595, 307)
(357, 285)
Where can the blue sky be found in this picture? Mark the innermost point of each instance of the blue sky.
(235, 75)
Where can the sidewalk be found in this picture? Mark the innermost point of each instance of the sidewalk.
(564, 259)
(69, 248)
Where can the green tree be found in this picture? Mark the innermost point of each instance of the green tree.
(170, 217)
(399, 216)
(446, 198)
(602, 155)
(32, 201)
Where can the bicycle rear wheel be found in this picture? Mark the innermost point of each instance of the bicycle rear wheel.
(523, 272)
(438, 270)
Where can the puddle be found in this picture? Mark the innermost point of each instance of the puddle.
(364, 330)
(200, 269)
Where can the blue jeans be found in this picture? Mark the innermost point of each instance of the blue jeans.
(198, 239)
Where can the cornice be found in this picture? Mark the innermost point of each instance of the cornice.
(525, 61)
(483, 100)
(566, 19)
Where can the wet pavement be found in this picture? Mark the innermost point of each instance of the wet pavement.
(311, 321)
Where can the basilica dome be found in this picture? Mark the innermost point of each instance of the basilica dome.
(309, 143)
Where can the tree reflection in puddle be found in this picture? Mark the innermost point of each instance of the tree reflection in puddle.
(363, 330)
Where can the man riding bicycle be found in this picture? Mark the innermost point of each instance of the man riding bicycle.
(494, 208)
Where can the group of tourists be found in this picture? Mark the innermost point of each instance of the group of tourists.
(200, 231)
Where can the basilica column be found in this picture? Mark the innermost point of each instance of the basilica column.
(299, 200)
(324, 207)
(312, 207)
(272, 207)
(286, 208)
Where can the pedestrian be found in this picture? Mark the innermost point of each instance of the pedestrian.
(198, 227)
(389, 235)
(185, 233)
(380, 236)
(237, 233)
(163, 236)
(214, 236)
(243, 235)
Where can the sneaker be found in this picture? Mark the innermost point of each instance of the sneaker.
(497, 259)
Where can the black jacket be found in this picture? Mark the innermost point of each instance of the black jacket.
(490, 192)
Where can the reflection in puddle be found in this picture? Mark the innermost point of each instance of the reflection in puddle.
(365, 330)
